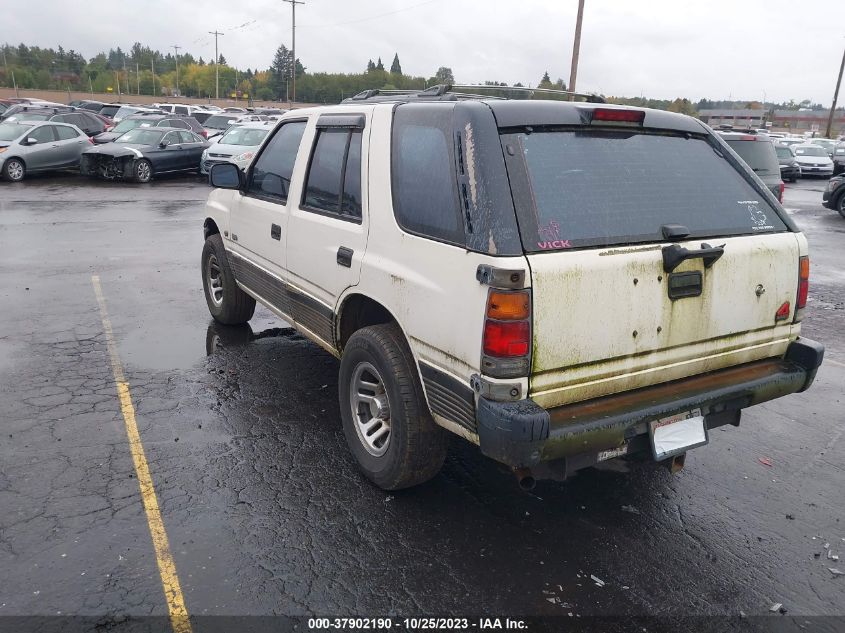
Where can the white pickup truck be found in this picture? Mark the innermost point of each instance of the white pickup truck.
(560, 283)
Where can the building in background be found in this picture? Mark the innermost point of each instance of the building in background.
(810, 122)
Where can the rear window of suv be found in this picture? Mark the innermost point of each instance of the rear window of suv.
(576, 189)
(757, 154)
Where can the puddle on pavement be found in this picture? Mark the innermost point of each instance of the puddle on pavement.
(168, 346)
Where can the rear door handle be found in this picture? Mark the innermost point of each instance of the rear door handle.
(276, 232)
(344, 256)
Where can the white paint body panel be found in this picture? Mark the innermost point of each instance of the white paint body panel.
(587, 309)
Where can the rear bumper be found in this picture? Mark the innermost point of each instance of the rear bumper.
(523, 434)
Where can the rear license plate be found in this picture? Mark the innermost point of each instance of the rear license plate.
(612, 453)
(677, 434)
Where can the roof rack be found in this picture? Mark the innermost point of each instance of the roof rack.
(446, 92)
(587, 96)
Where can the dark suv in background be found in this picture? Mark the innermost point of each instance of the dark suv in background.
(759, 154)
(790, 170)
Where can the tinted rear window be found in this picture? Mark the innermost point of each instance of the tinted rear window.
(759, 156)
(109, 111)
(425, 198)
(576, 189)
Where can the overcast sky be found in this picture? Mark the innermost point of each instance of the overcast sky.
(740, 49)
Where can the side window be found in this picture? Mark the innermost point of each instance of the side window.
(425, 198)
(43, 134)
(351, 203)
(80, 121)
(179, 110)
(272, 171)
(66, 133)
(178, 123)
(171, 138)
(187, 137)
(333, 183)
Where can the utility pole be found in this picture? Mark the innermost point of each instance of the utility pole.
(293, 4)
(216, 33)
(576, 48)
(128, 91)
(835, 97)
(117, 81)
(176, 48)
(138, 77)
(6, 63)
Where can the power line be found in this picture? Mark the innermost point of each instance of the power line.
(372, 17)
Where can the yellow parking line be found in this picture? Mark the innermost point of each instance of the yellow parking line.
(166, 566)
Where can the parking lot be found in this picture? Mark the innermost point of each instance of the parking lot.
(260, 499)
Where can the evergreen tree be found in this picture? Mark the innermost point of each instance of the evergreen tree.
(395, 67)
(370, 66)
(280, 70)
(379, 65)
(221, 60)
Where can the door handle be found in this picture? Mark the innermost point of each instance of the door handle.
(675, 254)
(276, 232)
(344, 256)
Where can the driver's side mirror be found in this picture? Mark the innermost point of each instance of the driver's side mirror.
(30, 141)
(164, 144)
(226, 176)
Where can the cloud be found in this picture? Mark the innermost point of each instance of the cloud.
(660, 48)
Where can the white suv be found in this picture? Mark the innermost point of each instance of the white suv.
(560, 283)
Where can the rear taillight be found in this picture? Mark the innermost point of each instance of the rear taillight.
(780, 193)
(507, 333)
(506, 340)
(803, 286)
(204, 134)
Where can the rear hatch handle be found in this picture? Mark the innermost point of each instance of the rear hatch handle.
(675, 254)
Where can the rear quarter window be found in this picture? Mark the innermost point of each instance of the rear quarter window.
(576, 189)
(425, 199)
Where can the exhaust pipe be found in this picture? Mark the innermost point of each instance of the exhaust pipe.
(524, 478)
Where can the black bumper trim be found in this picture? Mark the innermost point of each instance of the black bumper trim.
(522, 434)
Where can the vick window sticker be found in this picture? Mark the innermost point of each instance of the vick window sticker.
(759, 219)
(551, 237)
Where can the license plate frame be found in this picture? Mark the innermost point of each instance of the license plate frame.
(677, 434)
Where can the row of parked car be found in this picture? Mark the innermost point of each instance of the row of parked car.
(800, 156)
(135, 143)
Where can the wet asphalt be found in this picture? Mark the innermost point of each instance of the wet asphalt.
(265, 511)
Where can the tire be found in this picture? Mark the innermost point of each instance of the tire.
(415, 447)
(142, 170)
(840, 204)
(227, 303)
(14, 170)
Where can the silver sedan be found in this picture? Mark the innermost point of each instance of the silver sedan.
(27, 147)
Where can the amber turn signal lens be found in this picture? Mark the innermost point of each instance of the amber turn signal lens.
(804, 268)
(508, 306)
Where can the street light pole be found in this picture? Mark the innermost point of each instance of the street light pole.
(293, 4)
(216, 33)
(576, 48)
(835, 97)
(176, 48)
